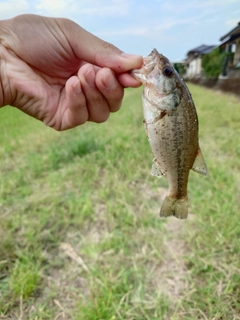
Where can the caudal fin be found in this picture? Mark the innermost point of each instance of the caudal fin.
(174, 207)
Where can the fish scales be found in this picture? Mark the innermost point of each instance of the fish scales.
(171, 124)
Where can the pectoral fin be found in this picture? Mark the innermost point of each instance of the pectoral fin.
(199, 165)
(156, 170)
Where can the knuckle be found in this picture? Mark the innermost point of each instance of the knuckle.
(115, 107)
(103, 117)
(100, 117)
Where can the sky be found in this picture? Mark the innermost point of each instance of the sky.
(173, 27)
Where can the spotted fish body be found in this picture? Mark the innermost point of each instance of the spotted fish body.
(171, 124)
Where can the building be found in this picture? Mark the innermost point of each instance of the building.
(194, 60)
(231, 45)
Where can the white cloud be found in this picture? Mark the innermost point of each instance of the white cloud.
(113, 7)
(90, 7)
(11, 8)
(55, 7)
(151, 29)
(232, 22)
(131, 31)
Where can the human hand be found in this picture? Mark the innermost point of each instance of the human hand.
(59, 73)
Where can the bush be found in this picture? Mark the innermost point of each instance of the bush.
(212, 63)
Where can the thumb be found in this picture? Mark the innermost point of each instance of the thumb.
(92, 49)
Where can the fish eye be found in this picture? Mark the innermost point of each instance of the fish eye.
(167, 70)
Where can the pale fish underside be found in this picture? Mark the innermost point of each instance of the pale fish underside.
(171, 124)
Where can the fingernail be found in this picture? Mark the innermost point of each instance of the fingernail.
(110, 84)
(77, 87)
(90, 77)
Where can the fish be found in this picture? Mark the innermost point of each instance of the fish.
(171, 123)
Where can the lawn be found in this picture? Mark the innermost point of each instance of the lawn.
(80, 232)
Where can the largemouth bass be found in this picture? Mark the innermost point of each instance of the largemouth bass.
(171, 124)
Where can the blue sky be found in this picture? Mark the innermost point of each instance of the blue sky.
(137, 26)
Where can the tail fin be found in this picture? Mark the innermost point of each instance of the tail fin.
(174, 207)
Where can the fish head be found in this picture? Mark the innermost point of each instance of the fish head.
(162, 84)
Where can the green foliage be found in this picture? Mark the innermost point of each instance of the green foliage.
(180, 68)
(212, 63)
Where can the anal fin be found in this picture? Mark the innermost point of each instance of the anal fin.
(156, 170)
(199, 165)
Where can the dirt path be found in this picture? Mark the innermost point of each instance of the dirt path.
(172, 273)
(173, 281)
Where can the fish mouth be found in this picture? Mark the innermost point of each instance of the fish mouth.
(149, 63)
(153, 56)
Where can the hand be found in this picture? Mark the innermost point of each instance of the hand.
(59, 73)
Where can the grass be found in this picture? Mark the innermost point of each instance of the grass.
(80, 232)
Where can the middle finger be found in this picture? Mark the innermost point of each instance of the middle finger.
(96, 103)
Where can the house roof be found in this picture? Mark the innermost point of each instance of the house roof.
(203, 49)
(233, 34)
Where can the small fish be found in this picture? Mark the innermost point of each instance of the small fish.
(171, 124)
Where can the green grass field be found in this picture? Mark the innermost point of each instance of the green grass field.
(80, 235)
